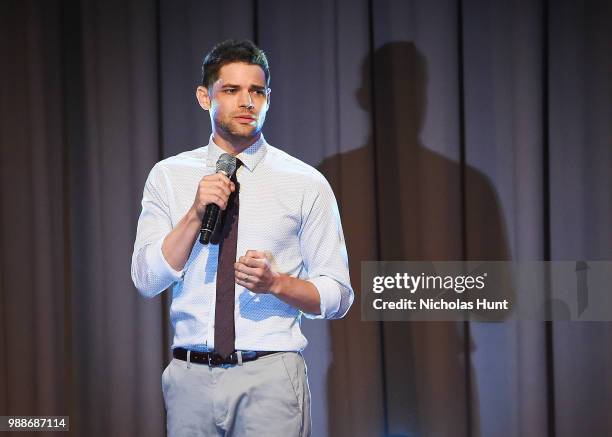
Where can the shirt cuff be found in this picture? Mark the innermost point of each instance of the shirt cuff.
(329, 295)
(157, 262)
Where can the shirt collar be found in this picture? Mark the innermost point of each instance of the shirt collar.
(250, 156)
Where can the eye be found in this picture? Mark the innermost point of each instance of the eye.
(229, 90)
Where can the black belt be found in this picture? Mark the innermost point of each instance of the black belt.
(214, 359)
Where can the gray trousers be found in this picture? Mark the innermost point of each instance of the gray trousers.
(265, 397)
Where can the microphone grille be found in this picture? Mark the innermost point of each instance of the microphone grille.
(226, 164)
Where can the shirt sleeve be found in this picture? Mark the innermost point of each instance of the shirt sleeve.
(324, 251)
(151, 273)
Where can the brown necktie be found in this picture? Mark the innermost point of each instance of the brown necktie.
(224, 308)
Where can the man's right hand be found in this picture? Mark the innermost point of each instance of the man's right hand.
(215, 188)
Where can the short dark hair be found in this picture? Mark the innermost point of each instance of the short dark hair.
(230, 51)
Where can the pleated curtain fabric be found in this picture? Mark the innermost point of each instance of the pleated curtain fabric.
(448, 130)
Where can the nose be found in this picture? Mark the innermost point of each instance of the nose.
(247, 102)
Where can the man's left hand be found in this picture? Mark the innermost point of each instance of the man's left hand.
(254, 271)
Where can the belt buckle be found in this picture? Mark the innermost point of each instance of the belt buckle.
(214, 360)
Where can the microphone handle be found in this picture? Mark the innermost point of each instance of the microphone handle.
(211, 214)
(208, 222)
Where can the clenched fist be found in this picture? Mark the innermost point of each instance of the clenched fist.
(215, 188)
(254, 271)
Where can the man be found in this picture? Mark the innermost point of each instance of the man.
(236, 305)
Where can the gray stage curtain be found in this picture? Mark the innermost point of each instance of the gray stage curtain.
(448, 130)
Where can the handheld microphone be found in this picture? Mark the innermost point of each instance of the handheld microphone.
(226, 165)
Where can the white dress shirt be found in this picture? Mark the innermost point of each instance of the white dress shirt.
(287, 209)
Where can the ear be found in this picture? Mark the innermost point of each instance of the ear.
(203, 97)
(268, 97)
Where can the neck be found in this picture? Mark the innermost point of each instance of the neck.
(234, 145)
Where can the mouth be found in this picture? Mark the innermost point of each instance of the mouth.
(245, 118)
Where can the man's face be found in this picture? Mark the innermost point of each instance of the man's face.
(237, 101)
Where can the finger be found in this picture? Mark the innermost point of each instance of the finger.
(243, 278)
(217, 190)
(255, 254)
(214, 187)
(224, 179)
(216, 199)
(255, 262)
(243, 283)
(248, 260)
(219, 178)
(219, 187)
(215, 195)
(224, 188)
(242, 270)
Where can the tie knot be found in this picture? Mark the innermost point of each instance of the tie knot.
(238, 164)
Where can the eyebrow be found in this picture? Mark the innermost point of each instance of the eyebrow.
(256, 87)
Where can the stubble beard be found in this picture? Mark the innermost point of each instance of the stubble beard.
(234, 133)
